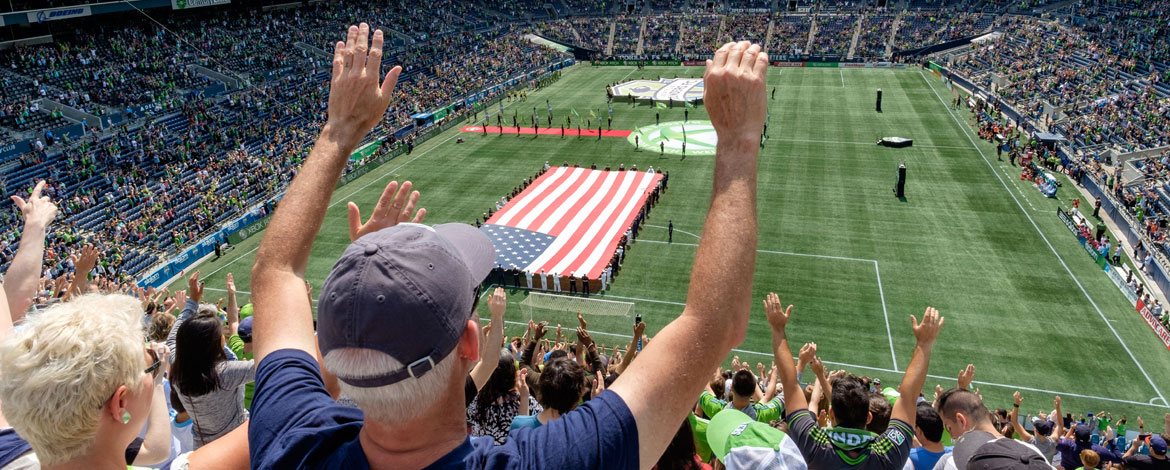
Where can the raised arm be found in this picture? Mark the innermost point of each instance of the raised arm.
(1014, 415)
(356, 103)
(778, 317)
(20, 282)
(233, 312)
(489, 358)
(661, 386)
(632, 349)
(1058, 431)
(156, 444)
(925, 333)
(770, 391)
(83, 265)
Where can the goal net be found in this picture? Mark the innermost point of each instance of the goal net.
(563, 309)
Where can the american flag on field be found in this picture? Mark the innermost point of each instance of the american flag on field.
(569, 220)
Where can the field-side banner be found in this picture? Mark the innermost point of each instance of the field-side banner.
(186, 4)
(54, 14)
(1159, 329)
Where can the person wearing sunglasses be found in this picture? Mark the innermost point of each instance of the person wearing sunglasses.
(79, 385)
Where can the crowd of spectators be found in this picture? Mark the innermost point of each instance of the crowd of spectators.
(875, 37)
(834, 35)
(150, 378)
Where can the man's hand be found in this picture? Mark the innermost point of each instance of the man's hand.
(393, 208)
(584, 340)
(498, 303)
(818, 367)
(927, 331)
(38, 211)
(1016, 396)
(231, 285)
(807, 353)
(639, 329)
(180, 299)
(598, 385)
(356, 101)
(538, 330)
(965, 375)
(195, 287)
(734, 91)
(581, 320)
(777, 316)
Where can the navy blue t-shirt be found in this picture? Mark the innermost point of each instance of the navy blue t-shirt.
(295, 424)
(11, 446)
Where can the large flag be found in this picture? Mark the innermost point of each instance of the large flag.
(569, 220)
(688, 104)
(661, 105)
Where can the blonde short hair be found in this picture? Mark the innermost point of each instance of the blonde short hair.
(61, 367)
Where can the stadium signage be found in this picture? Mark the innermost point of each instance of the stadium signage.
(789, 64)
(1159, 329)
(55, 14)
(185, 4)
(638, 62)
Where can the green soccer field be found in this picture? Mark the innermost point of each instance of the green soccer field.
(1021, 299)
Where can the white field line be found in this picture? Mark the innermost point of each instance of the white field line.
(1045, 238)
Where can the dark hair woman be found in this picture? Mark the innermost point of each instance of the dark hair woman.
(500, 400)
(210, 387)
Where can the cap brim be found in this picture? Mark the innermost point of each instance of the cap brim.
(966, 446)
(474, 247)
(720, 427)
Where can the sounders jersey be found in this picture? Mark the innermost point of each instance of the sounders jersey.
(762, 412)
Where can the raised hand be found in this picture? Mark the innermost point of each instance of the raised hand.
(231, 285)
(521, 383)
(180, 298)
(584, 340)
(395, 206)
(598, 385)
(808, 352)
(734, 92)
(777, 316)
(818, 367)
(639, 329)
(88, 259)
(927, 331)
(195, 287)
(538, 330)
(1016, 396)
(356, 100)
(38, 210)
(966, 375)
(498, 303)
(581, 320)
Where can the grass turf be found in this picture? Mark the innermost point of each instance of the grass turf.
(1021, 299)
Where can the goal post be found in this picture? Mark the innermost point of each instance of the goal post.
(563, 309)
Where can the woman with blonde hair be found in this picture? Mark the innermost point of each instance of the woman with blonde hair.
(79, 385)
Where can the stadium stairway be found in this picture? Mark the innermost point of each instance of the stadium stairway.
(856, 36)
(612, 32)
(641, 36)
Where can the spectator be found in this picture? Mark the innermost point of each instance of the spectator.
(1041, 429)
(56, 350)
(928, 428)
(561, 386)
(743, 389)
(963, 413)
(742, 443)
(501, 400)
(848, 446)
(1157, 458)
(210, 387)
(390, 371)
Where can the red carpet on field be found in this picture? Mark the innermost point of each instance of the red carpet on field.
(547, 131)
(569, 220)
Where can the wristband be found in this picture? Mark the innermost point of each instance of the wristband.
(1017, 405)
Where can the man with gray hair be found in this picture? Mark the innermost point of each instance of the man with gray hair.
(397, 321)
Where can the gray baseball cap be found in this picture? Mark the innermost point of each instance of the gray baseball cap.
(406, 291)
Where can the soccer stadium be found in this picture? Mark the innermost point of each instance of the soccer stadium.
(596, 223)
